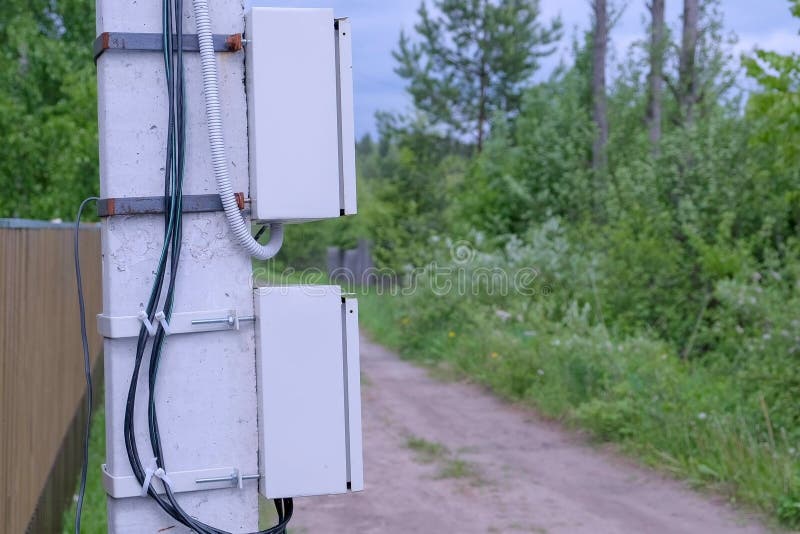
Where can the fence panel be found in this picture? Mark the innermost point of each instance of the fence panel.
(41, 370)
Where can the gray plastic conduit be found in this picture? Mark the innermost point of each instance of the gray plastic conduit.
(237, 223)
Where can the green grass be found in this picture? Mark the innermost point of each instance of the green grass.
(427, 451)
(457, 468)
(681, 417)
(449, 464)
(93, 518)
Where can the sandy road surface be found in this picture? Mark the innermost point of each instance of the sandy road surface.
(450, 458)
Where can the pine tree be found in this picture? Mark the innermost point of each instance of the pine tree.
(472, 60)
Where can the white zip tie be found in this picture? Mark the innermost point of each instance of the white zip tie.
(151, 328)
(160, 317)
(157, 472)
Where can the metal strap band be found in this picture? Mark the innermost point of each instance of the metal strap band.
(154, 41)
(154, 205)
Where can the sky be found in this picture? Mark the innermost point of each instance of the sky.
(376, 25)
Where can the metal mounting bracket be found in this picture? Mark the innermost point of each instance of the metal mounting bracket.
(154, 42)
(180, 481)
(180, 323)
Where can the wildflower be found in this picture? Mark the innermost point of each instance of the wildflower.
(405, 320)
(494, 355)
(540, 372)
(502, 315)
(702, 416)
(451, 334)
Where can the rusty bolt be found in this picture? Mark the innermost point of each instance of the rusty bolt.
(234, 42)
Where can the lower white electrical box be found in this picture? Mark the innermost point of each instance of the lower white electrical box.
(300, 114)
(309, 391)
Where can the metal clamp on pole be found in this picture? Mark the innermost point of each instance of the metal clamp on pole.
(155, 42)
(179, 323)
(236, 477)
(106, 207)
(179, 481)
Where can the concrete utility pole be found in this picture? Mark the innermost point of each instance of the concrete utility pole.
(206, 388)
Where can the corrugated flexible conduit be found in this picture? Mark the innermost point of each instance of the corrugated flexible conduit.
(237, 223)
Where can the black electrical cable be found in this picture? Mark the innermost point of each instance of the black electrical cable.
(87, 365)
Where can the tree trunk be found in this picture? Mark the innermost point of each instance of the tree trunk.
(599, 105)
(687, 82)
(655, 78)
(482, 107)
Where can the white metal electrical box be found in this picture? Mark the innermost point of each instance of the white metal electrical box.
(300, 114)
(309, 392)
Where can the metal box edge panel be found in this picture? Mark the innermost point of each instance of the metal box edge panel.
(347, 149)
(355, 458)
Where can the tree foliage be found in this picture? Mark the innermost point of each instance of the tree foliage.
(472, 59)
(48, 157)
(679, 299)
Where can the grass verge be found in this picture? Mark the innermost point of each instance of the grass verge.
(679, 416)
(93, 518)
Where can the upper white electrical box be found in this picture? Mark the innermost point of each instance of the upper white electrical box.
(300, 114)
(309, 392)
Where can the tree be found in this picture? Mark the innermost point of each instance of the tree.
(655, 80)
(48, 107)
(473, 60)
(687, 84)
(773, 113)
(599, 104)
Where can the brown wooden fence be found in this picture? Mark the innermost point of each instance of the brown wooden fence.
(41, 370)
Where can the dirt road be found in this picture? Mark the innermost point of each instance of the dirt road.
(450, 458)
